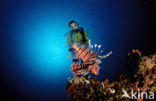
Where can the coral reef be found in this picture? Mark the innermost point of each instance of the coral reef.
(83, 88)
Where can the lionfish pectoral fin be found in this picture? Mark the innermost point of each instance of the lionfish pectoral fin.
(108, 54)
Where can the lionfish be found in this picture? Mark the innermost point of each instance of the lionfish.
(91, 58)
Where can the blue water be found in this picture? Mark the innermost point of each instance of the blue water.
(34, 52)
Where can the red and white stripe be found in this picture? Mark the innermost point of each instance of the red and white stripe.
(87, 56)
(76, 68)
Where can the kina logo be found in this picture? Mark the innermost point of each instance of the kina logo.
(137, 95)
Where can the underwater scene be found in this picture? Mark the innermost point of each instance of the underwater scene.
(77, 50)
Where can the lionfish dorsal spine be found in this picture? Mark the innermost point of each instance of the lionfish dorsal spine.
(100, 53)
(99, 46)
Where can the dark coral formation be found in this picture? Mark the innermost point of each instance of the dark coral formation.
(143, 79)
